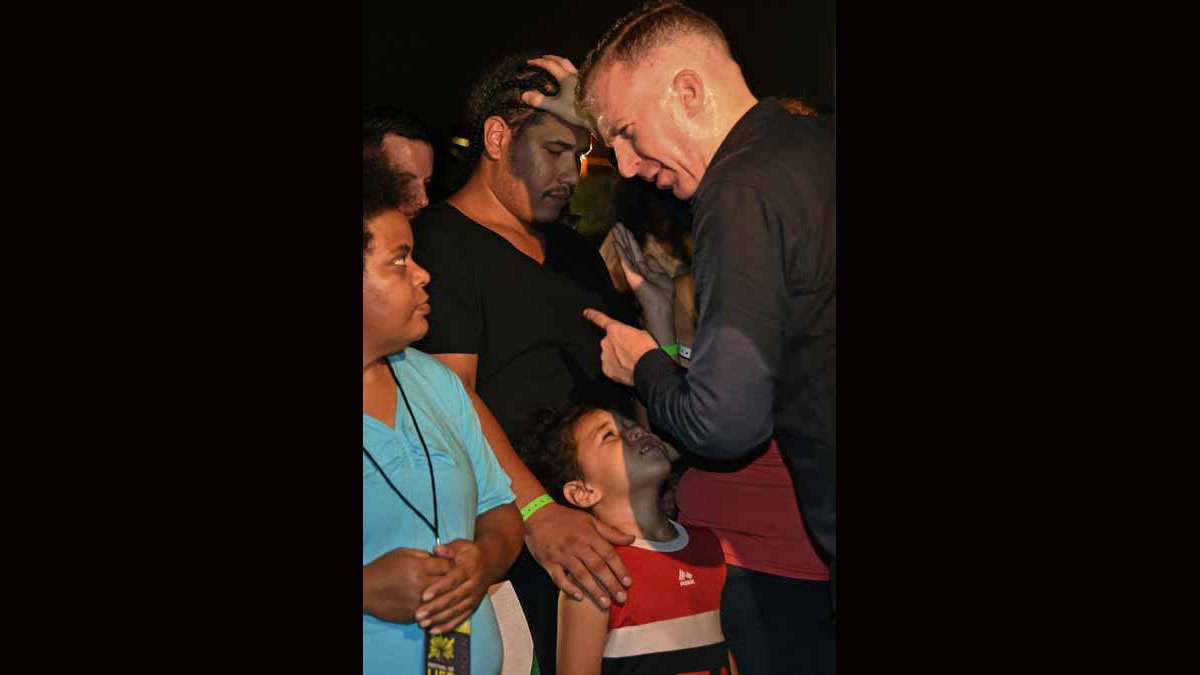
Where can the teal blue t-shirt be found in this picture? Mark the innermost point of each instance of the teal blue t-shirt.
(469, 482)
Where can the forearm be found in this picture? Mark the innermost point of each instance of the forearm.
(499, 534)
(722, 405)
(375, 598)
(524, 484)
(660, 322)
(720, 410)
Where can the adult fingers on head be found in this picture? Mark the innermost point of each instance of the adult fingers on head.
(556, 65)
(533, 98)
(563, 62)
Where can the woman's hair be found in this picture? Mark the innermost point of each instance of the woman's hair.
(383, 190)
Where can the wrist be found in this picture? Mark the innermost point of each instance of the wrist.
(534, 506)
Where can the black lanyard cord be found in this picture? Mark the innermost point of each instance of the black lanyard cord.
(433, 486)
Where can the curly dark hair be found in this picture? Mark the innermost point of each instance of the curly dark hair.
(549, 450)
(642, 30)
(382, 190)
(498, 92)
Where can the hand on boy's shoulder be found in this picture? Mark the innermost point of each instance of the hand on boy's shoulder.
(576, 550)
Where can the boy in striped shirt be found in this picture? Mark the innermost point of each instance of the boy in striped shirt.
(594, 459)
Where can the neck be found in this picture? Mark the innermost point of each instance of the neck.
(371, 369)
(374, 354)
(478, 201)
(641, 516)
(739, 103)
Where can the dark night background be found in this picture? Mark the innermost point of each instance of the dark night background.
(210, 404)
(427, 64)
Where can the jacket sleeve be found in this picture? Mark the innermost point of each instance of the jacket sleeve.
(721, 406)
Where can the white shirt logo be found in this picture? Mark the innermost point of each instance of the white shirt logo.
(685, 578)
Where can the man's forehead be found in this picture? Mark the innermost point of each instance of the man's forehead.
(406, 153)
(605, 99)
(552, 129)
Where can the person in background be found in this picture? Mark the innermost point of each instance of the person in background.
(409, 151)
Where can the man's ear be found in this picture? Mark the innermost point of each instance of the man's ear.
(581, 494)
(689, 89)
(496, 136)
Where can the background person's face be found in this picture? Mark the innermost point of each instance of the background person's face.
(415, 157)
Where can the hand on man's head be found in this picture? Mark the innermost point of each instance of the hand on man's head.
(562, 105)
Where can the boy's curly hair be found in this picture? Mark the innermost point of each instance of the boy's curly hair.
(549, 449)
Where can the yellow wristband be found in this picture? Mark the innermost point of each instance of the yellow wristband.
(532, 507)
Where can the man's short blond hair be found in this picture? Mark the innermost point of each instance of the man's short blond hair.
(650, 26)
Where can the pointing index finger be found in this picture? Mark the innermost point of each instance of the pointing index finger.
(602, 320)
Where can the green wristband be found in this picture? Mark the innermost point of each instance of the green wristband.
(532, 507)
(672, 350)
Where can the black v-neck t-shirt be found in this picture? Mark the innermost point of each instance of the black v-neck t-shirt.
(524, 320)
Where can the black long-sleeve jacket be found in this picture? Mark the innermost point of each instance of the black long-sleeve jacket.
(764, 358)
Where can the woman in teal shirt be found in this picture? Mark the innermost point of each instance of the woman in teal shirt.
(439, 524)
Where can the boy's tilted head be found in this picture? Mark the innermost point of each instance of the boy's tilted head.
(586, 455)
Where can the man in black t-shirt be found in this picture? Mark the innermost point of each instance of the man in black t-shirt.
(510, 286)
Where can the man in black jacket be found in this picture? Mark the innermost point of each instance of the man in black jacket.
(662, 89)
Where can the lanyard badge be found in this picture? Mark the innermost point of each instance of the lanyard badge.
(449, 653)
